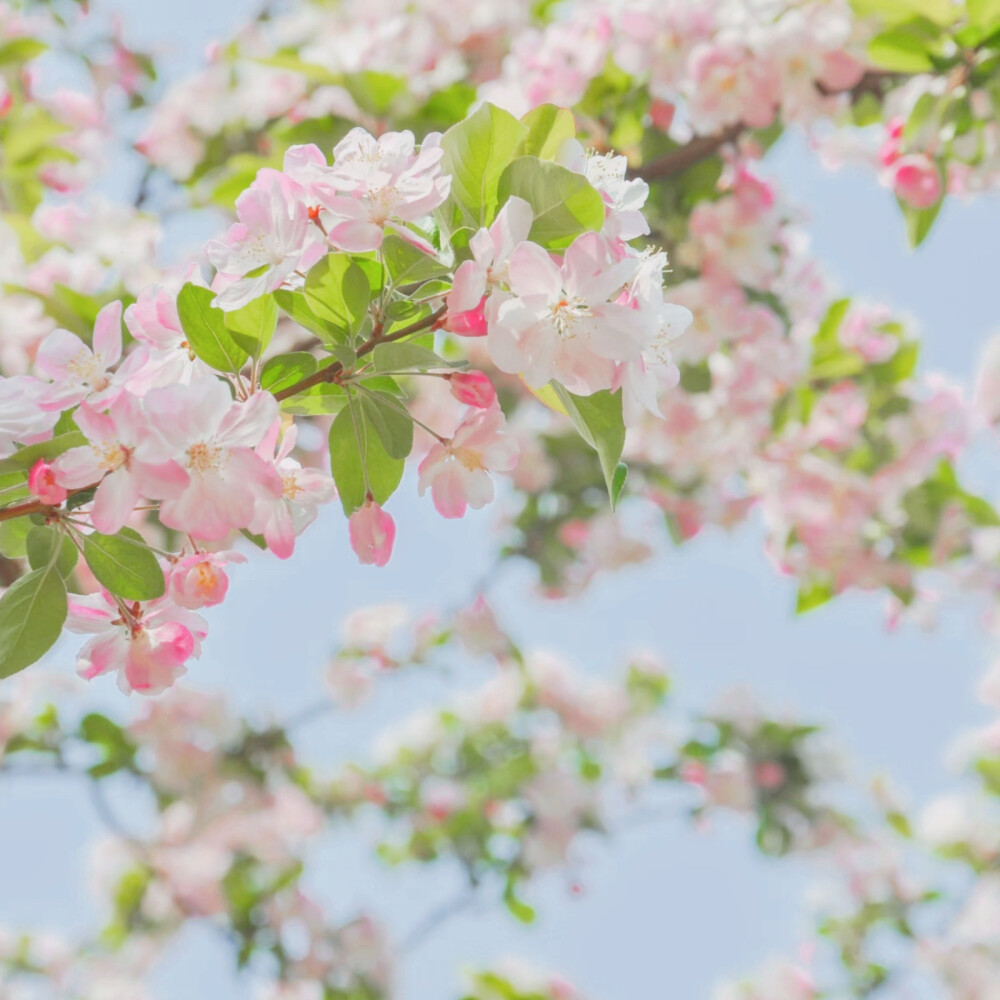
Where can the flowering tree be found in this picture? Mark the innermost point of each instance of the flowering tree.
(448, 243)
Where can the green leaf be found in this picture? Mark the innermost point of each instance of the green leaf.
(206, 331)
(598, 418)
(812, 595)
(696, 378)
(125, 565)
(14, 537)
(32, 612)
(391, 422)
(942, 12)
(618, 483)
(901, 50)
(295, 306)
(286, 370)
(919, 221)
(408, 264)
(564, 202)
(374, 91)
(476, 153)
(548, 128)
(252, 326)
(23, 459)
(984, 14)
(408, 356)
(319, 400)
(359, 461)
(21, 50)
(337, 291)
(45, 545)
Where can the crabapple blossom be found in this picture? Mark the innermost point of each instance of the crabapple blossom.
(491, 249)
(199, 580)
(473, 389)
(213, 438)
(457, 470)
(563, 320)
(43, 485)
(147, 645)
(22, 418)
(372, 532)
(916, 180)
(273, 239)
(281, 519)
(76, 371)
(127, 459)
(382, 183)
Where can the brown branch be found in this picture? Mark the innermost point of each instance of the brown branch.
(698, 149)
(24, 509)
(330, 373)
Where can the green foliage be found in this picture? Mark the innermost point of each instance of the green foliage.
(565, 204)
(125, 565)
(476, 153)
(252, 326)
(338, 292)
(24, 458)
(359, 460)
(206, 330)
(548, 128)
(45, 545)
(286, 370)
(598, 418)
(32, 612)
(116, 748)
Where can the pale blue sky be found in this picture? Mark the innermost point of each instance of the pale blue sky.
(665, 913)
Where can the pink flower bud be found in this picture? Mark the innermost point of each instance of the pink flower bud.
(916, 180)
(468, 324)
(199, 581)
(473, 388)
(769, 775)
(42, 483)
(372, 533)
(661, 114)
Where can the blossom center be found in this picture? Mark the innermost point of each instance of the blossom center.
(203, 457)
(567, 313)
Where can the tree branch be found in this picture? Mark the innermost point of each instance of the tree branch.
(330, 373)
(701, 148)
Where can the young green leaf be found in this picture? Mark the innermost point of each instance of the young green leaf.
(253, 325)
(32, 613)
(598, 418)
(391, 422)
(476, 153)
(24, 458)
(45, 545)
(286, 370)
(565, 204)
(359, 461)
(337, 291)
(206, 331)
(125, 565)
(548, 127)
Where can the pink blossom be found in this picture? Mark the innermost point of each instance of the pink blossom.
(42, 484)
(491, 249)
(458, 470)
(563, 321)
(78, 372)
(372, 533)
(274, 237)
(125, 457)
(281, 518)
(381, 183)
(468, 324)
(729, 85)
(147, 648)
(199, 580)
(473, 389)
(916, 180)
(213, 438)
(22, 419)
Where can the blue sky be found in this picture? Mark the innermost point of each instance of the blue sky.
(664, 911)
